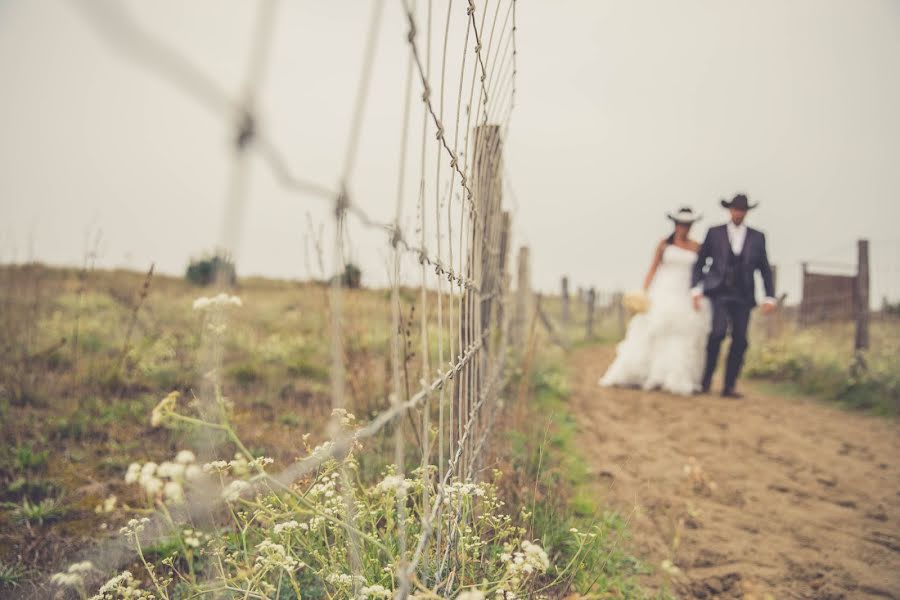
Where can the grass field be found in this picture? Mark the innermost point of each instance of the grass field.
(87, 355)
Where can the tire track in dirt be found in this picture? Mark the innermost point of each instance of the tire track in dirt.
(767, 497)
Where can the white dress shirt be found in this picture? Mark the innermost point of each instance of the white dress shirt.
(737, 235)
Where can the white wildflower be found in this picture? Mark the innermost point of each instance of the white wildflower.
(272, 555)
(170, 470)
(286, 527)
(393, 483)
(218, 466)
(134, 526)
(152, 485)
(375, 591)
(123, 586)
(193, 472)
(259, 463)
(343, 417)
(84, 566)
(107, 506)
(185, 457)
(174, 492)
(339, 579)
(239, 465)
(220, 300)
(134, 470)
(148, 469)
(471, 595)
(234, 490)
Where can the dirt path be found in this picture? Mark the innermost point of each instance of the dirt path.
(764, 498)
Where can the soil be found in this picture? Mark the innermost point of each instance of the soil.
(760, 498)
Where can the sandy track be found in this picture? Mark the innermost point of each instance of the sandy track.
(768, 497)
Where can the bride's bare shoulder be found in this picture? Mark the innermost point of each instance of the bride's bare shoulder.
(694, 245)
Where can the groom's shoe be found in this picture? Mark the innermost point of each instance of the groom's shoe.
(731, 394)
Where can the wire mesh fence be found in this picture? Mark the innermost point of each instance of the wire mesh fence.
(449, 360)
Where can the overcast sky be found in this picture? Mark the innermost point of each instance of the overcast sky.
(624, 110)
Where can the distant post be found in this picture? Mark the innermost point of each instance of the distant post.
(523, 298)
(564, 299)
(862, 296)
(619, 306)
(773, 323)
(591, 301)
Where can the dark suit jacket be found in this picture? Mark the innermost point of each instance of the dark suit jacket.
(717, 247)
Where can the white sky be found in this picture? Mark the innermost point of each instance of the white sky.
(624, 110)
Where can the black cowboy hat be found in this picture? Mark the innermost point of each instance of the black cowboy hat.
(684, 215)
(740, 202)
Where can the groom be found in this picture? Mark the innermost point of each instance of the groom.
(724, 272)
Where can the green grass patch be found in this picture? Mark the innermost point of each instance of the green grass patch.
(820, 362)
(553, 485)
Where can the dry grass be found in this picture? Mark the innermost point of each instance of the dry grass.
(85, 358)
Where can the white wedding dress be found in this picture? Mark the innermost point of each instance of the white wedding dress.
(665, 347)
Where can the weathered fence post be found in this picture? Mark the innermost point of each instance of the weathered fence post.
(591, 301)
(523, 298)
(773, 323)
(505, 227)
(862, 296)
(618, 306)
(564, 301)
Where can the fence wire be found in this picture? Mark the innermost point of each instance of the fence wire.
(460, 243)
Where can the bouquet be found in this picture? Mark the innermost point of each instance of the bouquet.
(636, 302)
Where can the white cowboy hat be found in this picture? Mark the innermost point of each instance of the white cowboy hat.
(685, 215)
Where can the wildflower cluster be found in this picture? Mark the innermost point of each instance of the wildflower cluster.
(219, 301)
(296, 537)
(73, 577)
(165, 481)
(123, 586)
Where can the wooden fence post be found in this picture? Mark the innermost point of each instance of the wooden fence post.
(591, 301)
(523, 299)
(773, 323)
(862, 296)
(564, 300)
(619, 309)
(505, 227)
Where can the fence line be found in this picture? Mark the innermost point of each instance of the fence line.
(471, 313)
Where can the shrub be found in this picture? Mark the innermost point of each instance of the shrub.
(206, 270)
(352, 277)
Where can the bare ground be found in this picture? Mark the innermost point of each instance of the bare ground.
(767, 497)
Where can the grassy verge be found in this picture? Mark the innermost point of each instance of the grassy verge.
(547, 475)
(819, 361)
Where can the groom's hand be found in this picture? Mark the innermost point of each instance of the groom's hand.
(768, 308)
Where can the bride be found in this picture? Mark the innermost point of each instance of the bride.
(665, 347)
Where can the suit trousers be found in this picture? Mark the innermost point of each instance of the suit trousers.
(732, 314)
